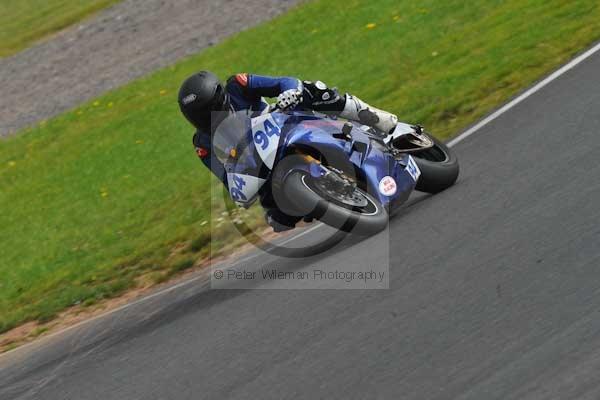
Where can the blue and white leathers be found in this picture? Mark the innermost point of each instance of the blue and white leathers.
(246, 92)
(271, 136)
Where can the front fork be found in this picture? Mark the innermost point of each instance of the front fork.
(299, 162)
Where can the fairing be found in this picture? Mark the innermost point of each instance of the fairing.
(268, 137)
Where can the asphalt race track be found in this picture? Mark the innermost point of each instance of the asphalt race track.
(494, 294)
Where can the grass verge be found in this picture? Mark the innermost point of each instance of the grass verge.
(111, 191)
(24, 22)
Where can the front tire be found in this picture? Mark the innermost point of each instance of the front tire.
(438, 165)
(300, 190)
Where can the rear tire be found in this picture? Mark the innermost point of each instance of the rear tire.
(306, 199)
(438, 165)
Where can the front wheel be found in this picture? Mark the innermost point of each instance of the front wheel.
(353, 211)
(438, 165)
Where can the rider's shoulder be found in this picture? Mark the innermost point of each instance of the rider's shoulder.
(241, 80)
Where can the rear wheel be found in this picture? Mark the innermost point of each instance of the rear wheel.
(438, 165)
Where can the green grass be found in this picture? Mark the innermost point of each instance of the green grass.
(24, 22)
(111, 190)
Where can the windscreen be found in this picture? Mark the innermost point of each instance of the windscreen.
(232, 140)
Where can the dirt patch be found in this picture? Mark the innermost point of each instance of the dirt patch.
(121, 43)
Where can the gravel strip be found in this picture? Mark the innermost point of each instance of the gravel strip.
(121, 43)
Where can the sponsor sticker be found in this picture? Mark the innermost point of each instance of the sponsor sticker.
(387, 186)
(188, 99)
(413, 169)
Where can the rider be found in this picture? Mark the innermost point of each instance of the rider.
(203, 93)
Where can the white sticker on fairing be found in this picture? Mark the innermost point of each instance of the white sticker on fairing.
(413, 169)
(188, 99)
(387, 186)
(243, 188)
(265, 133)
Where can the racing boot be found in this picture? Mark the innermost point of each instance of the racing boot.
(357, 110)
(280, 221)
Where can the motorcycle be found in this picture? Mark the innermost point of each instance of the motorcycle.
(347, 175)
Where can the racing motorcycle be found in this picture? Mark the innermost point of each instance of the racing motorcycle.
(347, 175)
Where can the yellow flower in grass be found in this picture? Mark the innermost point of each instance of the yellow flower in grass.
(104, 192)
(139, 141)
(370, 25)
(396, 18)
(109, 105)
(96, 103)
(163, 92)
(11, 164)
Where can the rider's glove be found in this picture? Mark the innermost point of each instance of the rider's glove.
(289, 99)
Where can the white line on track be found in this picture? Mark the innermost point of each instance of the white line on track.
(311, 229)
(294, 237)
(570, 65)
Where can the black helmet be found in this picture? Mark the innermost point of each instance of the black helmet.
(200, 94)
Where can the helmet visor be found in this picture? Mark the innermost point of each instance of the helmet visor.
(219, 108)
(220, 100)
